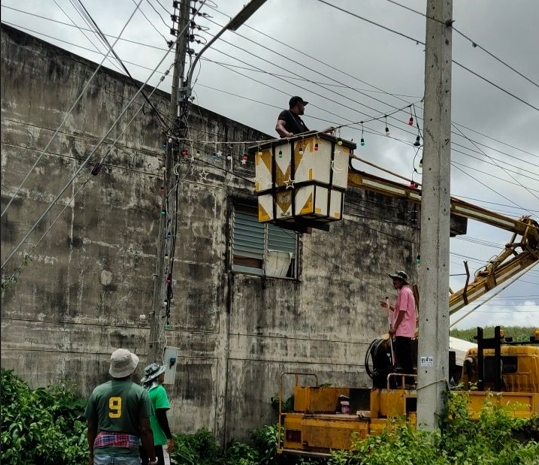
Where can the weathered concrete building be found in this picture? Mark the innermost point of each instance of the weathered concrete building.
(91, 275)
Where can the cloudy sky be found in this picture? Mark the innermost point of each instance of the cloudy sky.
(357, 60)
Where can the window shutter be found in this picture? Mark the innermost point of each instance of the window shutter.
(248, 238)
(282, 240)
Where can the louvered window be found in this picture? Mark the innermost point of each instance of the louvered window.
(262, 249)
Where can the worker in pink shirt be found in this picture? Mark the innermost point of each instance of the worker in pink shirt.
(403, 323)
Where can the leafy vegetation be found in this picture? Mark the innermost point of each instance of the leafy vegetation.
(45, 426)
(460, 441)
(518, 333)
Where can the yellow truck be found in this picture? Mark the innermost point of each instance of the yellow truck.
(324, 417)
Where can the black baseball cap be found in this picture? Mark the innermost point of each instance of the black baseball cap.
(295, 100)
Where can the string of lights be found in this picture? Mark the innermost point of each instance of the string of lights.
(376, 89)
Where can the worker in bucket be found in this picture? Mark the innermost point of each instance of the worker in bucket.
(403, 323)
(289, 122)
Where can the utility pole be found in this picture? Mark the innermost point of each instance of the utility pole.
(433, 353)
(162, 292)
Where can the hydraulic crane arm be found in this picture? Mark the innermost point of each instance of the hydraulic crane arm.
(518, 255)
(521, 253)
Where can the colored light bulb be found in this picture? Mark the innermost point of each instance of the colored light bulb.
(417, 142)
(163, 212)
(301, 151)
(339, 142)
(387, 131)
(316, 147)
(418, 260)
(362, 142)
(411, 121)
(421, 163)
(280, 154)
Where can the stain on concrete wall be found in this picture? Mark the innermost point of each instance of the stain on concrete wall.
(90, 278)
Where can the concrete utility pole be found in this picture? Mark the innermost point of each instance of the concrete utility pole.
(169, 206)
(433, 354)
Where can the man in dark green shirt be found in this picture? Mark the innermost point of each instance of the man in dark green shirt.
(118, 413)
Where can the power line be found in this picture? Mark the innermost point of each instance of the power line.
(308, 80)
(397, 96)
(336, 115)
(160, 17)
(28, 254)
(152, 24)
(89, 156)
(529, 190)
(377, 89)
(332, 122)
(419, 42)
(68, 113)
(105, 40)
(473, 42)
(83, 33)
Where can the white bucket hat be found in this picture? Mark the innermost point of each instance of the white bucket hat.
(122, 363)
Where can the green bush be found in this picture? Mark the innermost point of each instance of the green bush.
(44, 426)
(199, 448)
(490, 440)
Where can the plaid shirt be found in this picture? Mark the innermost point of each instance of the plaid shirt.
(106, 439)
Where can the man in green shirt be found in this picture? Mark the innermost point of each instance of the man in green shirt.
(153, 383)
(118, 413)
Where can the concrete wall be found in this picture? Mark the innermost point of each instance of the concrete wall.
(91, 277)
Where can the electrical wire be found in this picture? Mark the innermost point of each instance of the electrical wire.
(83, 33)
(80, 189)
(376, 89)
(453, 142)
(417, 119)
(473, 42)
(422, 43)
(67, 115)
(91, 153)
(160, 17)
(151, 23)
(105, 40)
